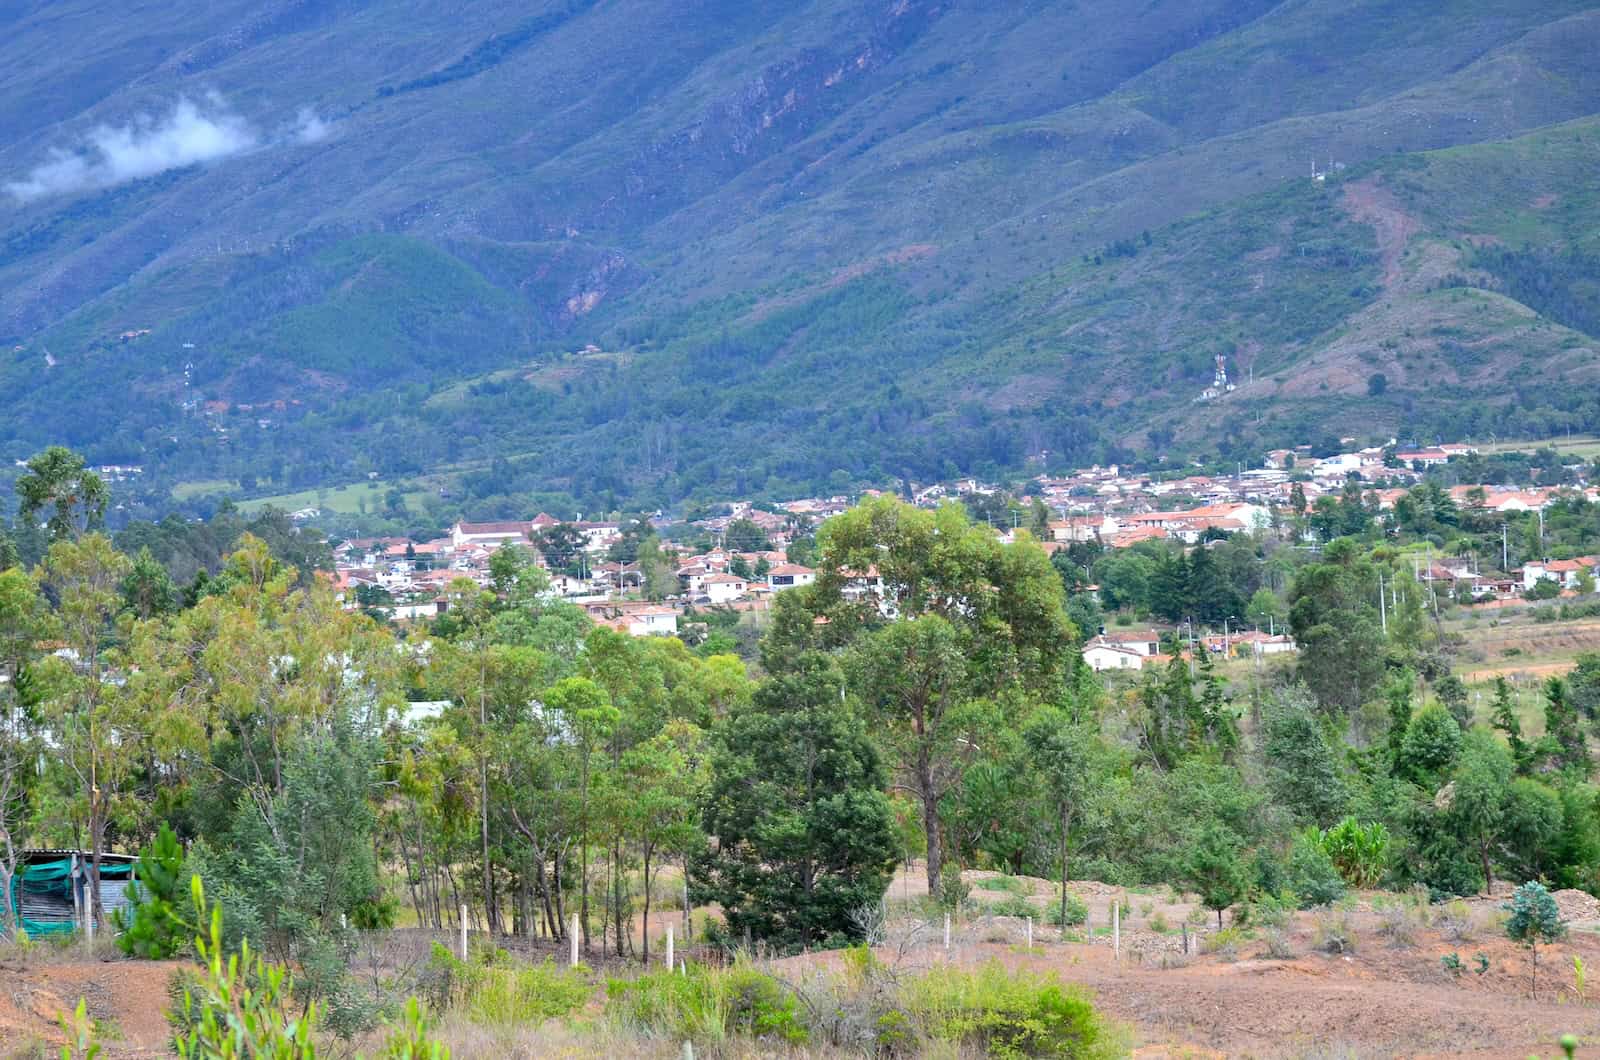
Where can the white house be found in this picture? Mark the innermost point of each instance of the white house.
(789, 576)
(650, 622)
(724, 588)
(1100, 654)
(1146, 642)
(597, 537)
(492, 535)
(1564, 572)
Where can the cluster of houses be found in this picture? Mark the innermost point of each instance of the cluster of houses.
(413, 575)
(1105, 505)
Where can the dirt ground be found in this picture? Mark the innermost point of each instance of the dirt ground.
(126, 999)
(1388, 993)
(1385, 993)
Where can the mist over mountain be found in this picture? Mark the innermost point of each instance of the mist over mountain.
(642, 249)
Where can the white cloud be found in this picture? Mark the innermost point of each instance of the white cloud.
(309, 128)
(188, 134)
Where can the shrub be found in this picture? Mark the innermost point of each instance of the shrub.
(1455, 922)
(1224, 943)
(1001, 1014)
(1278, 944)
(1013, 905)
(953, 890)
(1334, 932)
(1004, 883)
(493, 990)
(707, 1005)
(1394, 923)
(1077, 911)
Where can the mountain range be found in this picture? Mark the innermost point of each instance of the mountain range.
(638, 250)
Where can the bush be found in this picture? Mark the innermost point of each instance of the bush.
(493, 990)
(1334, 933)
(1312, 875)
(1012, 905)
(997, 1013)
(1224, 943)
(1009, 884)
(1077, 911)
(1394, 923)
(707, 1005)
(1278, 944)
(953, 890)
(1455, 922)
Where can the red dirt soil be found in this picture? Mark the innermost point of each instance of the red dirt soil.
(126, 998)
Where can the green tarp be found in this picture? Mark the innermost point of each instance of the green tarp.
(42, 895)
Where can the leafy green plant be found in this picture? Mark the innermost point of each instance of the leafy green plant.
(1535, 918)
(1077, 912)
(1001, 1014)
(493, 989)
(1359, 852)
(80, 1033)
(232, 1013)
(954, 892)
(238, 1006)
(707, 1005)
(150, 926)
(1013, 905)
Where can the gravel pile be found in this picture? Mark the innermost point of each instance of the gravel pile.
(1577, 905)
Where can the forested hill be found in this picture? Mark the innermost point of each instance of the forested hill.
(647, 247)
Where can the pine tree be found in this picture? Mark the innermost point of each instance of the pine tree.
(150, 926)
(1216, 869)
(804, 834)
(1563, 744)
(1504, 718)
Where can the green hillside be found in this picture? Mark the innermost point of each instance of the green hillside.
(809, 243)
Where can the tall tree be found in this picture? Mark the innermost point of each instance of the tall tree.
(913, 674)
(802, 834)
(23, 622)
(1066, 753)
(1334, 616)
(1482, 776)
(981, 621)
(589, 719)
(96, 722)
(57, 481)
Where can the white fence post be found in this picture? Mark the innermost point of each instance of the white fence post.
(1030, 933)
(463, 932)
(670, 961)
(572, 936)
(947, 932)
(1116, 930)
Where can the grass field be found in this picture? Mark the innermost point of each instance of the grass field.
(185, 490)
(343, 500)
(1583, 446)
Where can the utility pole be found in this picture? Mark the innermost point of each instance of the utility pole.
(1505, 563)
(1383, 612)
